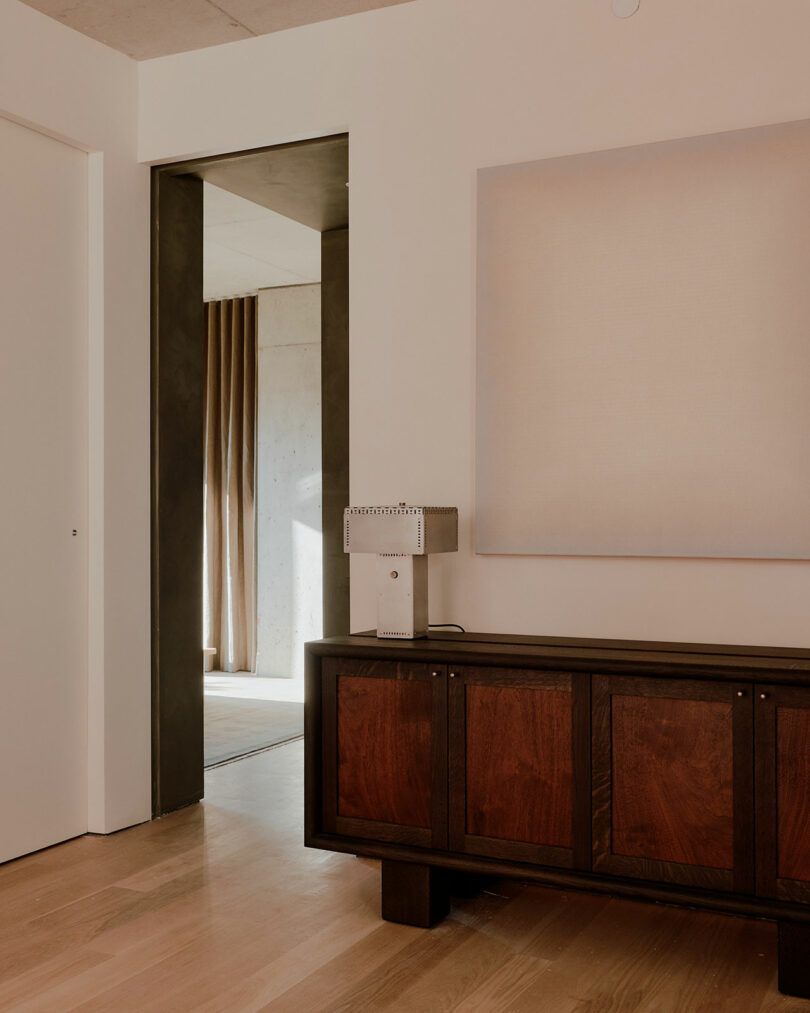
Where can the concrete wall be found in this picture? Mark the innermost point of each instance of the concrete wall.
(78, 91)
(288, 478)
(430, 92)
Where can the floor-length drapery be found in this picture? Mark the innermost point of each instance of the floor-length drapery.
(230, 442)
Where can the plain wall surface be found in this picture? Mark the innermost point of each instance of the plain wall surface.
(43, 450)
(72, 88)
(431, 92)
(289, 556)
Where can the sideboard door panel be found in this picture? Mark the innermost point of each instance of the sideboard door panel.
(783, 792)
(515, 768)
(673, 781)
(385, 755)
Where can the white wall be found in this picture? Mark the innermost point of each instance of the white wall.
(431, 91)
(289, 599)
(76, 90)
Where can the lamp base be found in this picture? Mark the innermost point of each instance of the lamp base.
(402, 596)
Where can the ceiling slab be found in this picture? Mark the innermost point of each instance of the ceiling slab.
(305, 181)
(262, 17)
(229, 274)
(144, 29)
(247, 247)
(147, 28)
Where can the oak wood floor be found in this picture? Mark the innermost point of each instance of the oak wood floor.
(220, 908)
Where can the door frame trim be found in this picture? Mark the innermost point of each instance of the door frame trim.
(176, 451)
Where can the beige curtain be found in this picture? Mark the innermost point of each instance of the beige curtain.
(230, 441)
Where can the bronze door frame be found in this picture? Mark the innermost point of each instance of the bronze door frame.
(306, 180)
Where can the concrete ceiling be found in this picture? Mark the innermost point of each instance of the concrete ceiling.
(306, 180)
(247, 247)
(144, 29)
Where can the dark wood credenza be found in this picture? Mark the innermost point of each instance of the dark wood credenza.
(661, 771)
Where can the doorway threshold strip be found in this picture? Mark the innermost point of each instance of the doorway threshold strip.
(252, 752)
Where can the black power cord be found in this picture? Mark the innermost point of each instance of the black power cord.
(445, 626)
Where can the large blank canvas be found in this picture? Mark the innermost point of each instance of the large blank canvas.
(643, 367)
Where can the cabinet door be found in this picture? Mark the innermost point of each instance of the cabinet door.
(385, 751)
(673, 781)
(519, 765)
(782, 721)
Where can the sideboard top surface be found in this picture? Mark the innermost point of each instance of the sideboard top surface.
(783, 664)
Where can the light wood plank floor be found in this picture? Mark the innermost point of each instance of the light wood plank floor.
(221, 909)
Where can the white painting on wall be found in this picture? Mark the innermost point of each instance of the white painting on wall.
(643, 365)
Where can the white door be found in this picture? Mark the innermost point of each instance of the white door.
(43, 491)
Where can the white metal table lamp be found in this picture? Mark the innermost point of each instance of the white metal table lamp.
(401, 536)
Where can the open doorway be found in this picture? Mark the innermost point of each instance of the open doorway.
(262, 534)
(300, 469)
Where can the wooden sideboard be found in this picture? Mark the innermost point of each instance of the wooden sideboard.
(661, 771)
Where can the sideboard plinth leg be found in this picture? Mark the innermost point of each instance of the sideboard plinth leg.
(414, 894)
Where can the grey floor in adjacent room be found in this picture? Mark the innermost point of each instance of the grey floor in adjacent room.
(236, 725)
